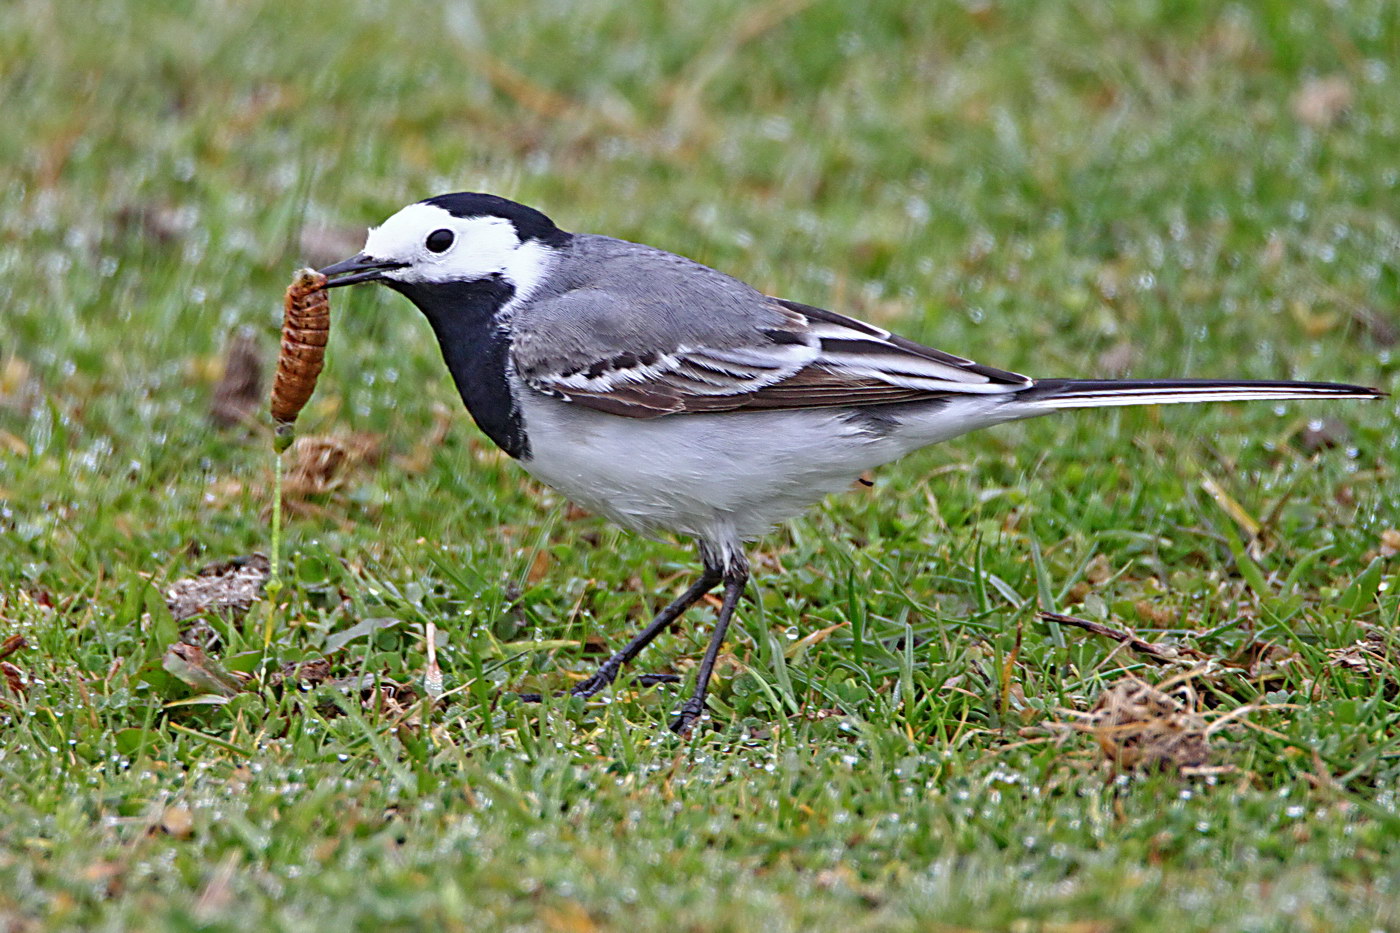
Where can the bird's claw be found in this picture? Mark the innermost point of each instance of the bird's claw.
(689, 714)
(587, 688)
(584, 690)
(602, 679)
(598, 682)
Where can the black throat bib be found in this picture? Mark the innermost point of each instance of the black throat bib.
(463, 316)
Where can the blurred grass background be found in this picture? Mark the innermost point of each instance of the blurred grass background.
(1142, 187)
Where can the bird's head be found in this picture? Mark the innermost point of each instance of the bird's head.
(455, 239)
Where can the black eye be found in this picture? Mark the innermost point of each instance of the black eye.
(439, 240)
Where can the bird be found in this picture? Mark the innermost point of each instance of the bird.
(674, 399)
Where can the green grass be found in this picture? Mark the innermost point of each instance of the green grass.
(1035, 185)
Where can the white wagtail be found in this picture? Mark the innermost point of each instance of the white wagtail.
(673, 398)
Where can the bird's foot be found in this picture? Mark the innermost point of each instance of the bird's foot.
(584, 688)
(690, 713)
(539, 697)
(602, 678)
(597, 682)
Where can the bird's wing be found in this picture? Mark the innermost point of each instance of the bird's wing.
(600, 350)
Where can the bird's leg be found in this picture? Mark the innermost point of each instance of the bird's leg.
(608, 671)
(736, 577)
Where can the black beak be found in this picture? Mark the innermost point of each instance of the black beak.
(360, 268)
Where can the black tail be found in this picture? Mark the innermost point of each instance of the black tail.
(1099, 393)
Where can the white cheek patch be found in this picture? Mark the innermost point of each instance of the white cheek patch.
(482, 246)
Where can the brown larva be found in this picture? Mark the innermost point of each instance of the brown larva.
(306, 324)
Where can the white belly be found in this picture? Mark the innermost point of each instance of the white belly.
(721, 477)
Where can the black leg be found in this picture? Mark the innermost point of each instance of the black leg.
(608, 671)
(736, 576)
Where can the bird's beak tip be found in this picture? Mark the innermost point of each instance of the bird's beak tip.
(360, 268)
